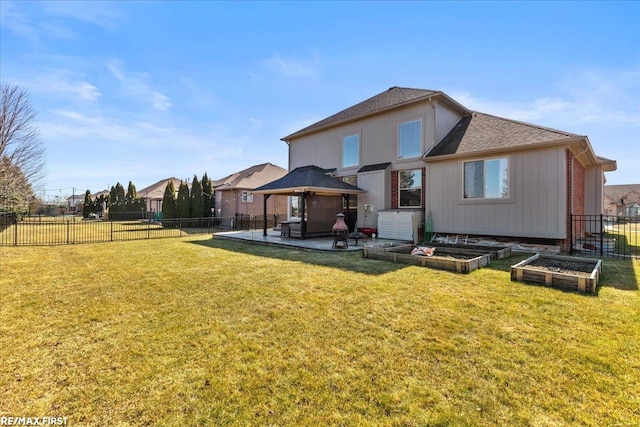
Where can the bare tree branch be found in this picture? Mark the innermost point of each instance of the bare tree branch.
(21, 150)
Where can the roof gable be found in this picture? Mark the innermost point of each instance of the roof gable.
(394, 97)
(251, 177)
(156, 191)
(617, 192)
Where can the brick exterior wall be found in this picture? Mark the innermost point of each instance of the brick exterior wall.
(395, 196)
(575, 198)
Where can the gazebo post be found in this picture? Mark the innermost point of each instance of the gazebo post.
(303, 224)
(264, 210)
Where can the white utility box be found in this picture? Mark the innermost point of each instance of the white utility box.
(400, 224)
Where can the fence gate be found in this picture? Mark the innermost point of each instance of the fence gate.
(605, 236)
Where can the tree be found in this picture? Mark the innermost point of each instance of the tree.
(116, 202)
(182, 203)
(169, 201)
(87, 206)
(196, 198)
(208, 199)
(20, 144)
(132, 194)
(15, 190)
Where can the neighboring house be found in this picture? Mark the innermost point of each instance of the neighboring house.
(622, 200)
(75, 203)
(416, 150)
(234, 197)
(154, 193)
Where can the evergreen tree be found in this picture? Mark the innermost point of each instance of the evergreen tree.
(169, 201)
(132, 194)
(87, 206)
(208, 201)
(117, 202)
(196, 198)
(182, 203)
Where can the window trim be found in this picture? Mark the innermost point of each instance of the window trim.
(484, 200)
(246, 197)
(420, 149)
(422, 171)
(357, 164)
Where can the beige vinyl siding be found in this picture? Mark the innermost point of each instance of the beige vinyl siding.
(536, 207)
(378, 140)
(446, 119)
(594, 189)
(378, 186)
(593, 196)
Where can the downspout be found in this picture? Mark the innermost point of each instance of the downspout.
(433, 109)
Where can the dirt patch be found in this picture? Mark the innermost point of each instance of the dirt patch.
(562, 266)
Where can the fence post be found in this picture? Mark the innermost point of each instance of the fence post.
(180, 226)
(148, 229)
(601, 236)
(571, 234)
(111, 229)
(67, 232)
(15, 230)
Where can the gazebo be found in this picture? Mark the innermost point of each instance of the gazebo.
(306, 182)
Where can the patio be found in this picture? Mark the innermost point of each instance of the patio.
(274, 237)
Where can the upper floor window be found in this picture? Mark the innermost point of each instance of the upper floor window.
(410, 139)
(486, 179)
(410, 188)
(247, 197)
(351, 151)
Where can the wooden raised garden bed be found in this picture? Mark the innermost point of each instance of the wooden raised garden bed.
(452, 259)
(496, 252)
(563, 272)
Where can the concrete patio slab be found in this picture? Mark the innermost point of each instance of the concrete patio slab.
(312, 243)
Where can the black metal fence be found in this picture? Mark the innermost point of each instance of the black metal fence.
(69, 230)
(605, 236)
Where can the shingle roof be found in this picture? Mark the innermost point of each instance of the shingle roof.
(390, 98)
(156, 191)
(376, 167)
(482, 132)
(251, 177)
(309, 178)
(616, 192)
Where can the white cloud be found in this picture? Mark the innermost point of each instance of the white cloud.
(585, 98)
(61, 83)
(294, 66)
(135, 85)
(12, 18)
(98, 13)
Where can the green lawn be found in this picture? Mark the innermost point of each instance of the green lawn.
(195, 331)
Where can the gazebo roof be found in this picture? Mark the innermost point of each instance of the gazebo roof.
(308, 179)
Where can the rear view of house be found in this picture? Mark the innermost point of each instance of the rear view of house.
(416, 150)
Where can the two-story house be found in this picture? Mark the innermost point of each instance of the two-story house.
(420, 150)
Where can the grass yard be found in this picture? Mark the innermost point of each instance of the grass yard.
(88, 231)
(197, 331)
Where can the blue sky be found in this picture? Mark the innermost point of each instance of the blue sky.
(143, 91)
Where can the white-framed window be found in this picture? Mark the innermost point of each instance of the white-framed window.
(247, 197)
(632, 209)
(486, 179)
(410, 139)
(410, 188)
(351, 150)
